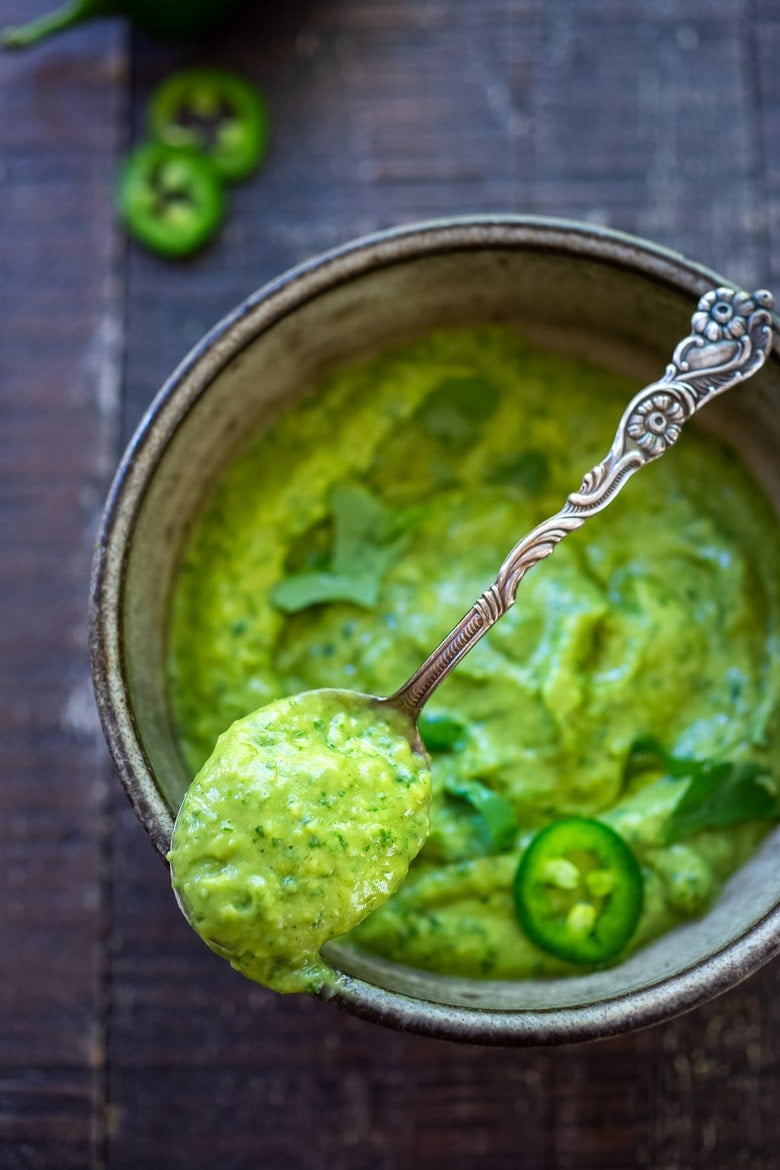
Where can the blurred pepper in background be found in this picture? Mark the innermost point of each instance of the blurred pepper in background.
(207, 127)
(172, 18)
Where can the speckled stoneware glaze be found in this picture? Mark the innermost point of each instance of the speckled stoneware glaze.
(574, 288)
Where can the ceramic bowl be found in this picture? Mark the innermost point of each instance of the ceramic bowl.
(581, 290)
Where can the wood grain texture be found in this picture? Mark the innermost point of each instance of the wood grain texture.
(646, 120)
(660, 119)
(59, 356)
(766, 80)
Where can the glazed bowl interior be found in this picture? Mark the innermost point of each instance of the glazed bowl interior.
(605, 298)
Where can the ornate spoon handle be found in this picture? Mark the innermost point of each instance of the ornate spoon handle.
(731, 336)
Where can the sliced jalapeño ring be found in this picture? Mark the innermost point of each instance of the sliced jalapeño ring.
(215, 112)
(579, 891)
(170, 200)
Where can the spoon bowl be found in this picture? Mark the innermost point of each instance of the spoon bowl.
(303, 820)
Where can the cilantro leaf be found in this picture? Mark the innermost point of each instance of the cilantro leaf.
(530, 470)
(713, 794)
(358, 522)
(649, 752)
(360, 556)
(495, 812)
(305, 589)
(720, 795)
(441, 733)
(457, 406)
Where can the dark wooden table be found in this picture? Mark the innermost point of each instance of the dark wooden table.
(123, 1042)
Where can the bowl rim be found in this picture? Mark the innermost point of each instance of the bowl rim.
(275, 300)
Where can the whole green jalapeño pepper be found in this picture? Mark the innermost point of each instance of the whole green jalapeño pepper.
(173, 18)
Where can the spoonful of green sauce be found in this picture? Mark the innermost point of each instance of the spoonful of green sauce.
(309, 811)
(304, 819)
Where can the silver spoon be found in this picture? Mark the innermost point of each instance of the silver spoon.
(730, 339)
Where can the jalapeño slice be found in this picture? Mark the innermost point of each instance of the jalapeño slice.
(578, 891)
(171, 200)
(215, 112)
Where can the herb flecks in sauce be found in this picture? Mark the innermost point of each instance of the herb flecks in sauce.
(303, 820)
(660, 619)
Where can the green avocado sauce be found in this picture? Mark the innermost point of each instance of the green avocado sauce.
(659, 619)
(302, 821)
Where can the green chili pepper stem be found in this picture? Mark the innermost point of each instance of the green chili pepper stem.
(75, 12)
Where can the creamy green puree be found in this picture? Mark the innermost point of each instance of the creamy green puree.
(302, 821)
(354, 533)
